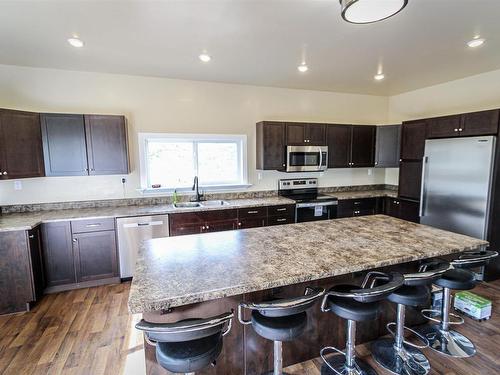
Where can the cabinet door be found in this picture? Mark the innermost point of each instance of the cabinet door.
(316, 134)
(387, 146)
(252, 222)
(220, 226)
(363, 146)
(35, 247)
(444, 127)
(107, 149)
(64, 148)
(20, 145)
(409, 210)
(339, 145)
(345, 208)
(392, 207)
(296, 134)
(181, 229)
(270, 146)
(413, 135)
(95, 255)
(58, 253)
(410, 179)
(480, 123)
(15, 281)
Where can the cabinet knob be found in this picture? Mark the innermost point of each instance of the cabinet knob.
(203, 228)
(376, 163)
(455, 130)
(460, 129)
(284, 165)
(239, 224)
(75, 240)
(4, 173)
(208, 227)
(92, 169)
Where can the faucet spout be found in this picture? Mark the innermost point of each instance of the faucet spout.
(197, 196)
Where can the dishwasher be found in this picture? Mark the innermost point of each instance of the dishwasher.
(131, 232)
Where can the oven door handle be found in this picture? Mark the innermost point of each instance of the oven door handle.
(315, 204)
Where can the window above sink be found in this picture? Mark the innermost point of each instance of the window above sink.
(172, 160)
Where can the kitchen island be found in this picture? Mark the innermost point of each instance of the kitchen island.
(203, 275)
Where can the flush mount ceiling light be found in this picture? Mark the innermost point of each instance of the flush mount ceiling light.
(303, 68)
(76, 42)
(476, 42)
(205, 57)
(368, 11)
(379, 76)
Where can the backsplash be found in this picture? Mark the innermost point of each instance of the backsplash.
(156, 200)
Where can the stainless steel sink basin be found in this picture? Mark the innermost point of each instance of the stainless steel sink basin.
(214, 203)
(187, 204)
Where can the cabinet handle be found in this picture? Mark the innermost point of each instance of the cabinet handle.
(280, 220)
(75, 240)
(356, 203)
(93, 225)
(31, 236)
(252, 212)
(281, 209)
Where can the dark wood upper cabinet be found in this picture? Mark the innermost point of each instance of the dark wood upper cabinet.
(413, 134)
(95, 255)
(444, 127)
(270, 146)
(302, 134)
(363, 146)
(58, 253)
(339, 145)
(106, 144)
(64, 145)
(21, 153)
(480, 123)
(410, 179)
(387, 146)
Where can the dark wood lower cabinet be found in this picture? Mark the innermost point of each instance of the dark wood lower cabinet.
(402, 209)
(358, 207)
(95, 255)
(58, 253)
(38, 274)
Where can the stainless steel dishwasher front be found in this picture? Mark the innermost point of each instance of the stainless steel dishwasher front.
(131, 232)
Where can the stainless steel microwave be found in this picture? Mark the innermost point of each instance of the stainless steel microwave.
(306, 158)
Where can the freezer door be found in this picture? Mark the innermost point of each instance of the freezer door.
(456, 184)
(132, 231)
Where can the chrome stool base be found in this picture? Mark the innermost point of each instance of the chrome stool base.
(448, 342)
(338, 363)
(407, 361)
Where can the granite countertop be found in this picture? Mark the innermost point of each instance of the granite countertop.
(364, 194)
(29, 220)
(182, 270)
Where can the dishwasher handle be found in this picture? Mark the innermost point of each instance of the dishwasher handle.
(147, 224)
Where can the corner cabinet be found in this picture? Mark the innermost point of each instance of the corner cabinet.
(20, 145)
(387, 145)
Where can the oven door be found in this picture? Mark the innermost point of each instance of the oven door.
(306, 158)
(316, 211)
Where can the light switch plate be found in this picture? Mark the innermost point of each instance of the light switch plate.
(18, 185)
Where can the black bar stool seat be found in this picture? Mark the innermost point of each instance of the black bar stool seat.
(189, 356)
(284, 328)
(411, 295)
(456, 279)
(350, 309)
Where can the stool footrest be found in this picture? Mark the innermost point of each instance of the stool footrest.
(427, 313)
(322, 355)
(418, 335)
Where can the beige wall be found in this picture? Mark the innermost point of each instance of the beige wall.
(166, 105)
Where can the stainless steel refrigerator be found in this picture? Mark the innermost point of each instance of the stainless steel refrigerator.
(456, 184)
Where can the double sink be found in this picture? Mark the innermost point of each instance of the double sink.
(215, 203)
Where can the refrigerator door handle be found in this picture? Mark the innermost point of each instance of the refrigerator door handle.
(422, 188)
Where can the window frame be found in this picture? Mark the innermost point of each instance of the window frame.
(241, 139)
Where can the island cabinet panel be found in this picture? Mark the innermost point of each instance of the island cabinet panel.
(16, 288)
(339, 145)
(58, 253)
(270, 146)
(107, 151)
(413, 135)
(387, 147)
(21, 153)
(480, 123)
(363, 146)
(64, 145)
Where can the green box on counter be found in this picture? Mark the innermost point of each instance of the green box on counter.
(475, 306)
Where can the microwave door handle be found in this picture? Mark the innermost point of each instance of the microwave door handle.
(320, 158)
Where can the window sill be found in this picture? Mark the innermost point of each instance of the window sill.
(204, 189)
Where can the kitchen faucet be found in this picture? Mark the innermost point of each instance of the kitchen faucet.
(197, 196)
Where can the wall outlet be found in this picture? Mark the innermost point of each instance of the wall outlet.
(18, 185)
(259, 176)
(124, 180)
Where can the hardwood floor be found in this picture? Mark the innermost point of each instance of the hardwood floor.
(89, 331)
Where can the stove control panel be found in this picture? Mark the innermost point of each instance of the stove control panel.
(299, 183)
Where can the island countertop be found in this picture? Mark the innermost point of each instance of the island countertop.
(182, 270)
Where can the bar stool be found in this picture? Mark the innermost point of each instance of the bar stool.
(356, 305)
(441, 338)
(280, 320)
(188, 345)
(398, 355)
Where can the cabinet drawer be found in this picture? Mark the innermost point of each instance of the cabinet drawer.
(277, 220)
(284, 210)
(252, 212)
(92, 225)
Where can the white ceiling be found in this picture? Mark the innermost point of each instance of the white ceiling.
(259, 42)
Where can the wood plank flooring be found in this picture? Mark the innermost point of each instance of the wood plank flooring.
(89, 331)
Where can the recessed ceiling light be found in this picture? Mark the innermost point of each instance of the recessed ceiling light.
(379, 76)
(476, 42)
(303, 68)
(75, 42)
(205, 57)
(368, 11)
